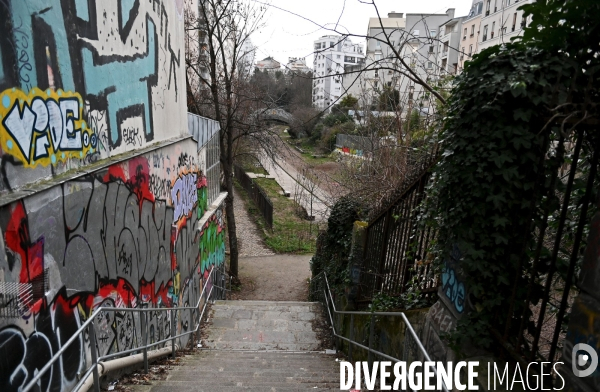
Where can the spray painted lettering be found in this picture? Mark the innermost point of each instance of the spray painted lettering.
(44, 127)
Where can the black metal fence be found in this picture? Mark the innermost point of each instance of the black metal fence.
(553, 257)
(396, 249)
(396, 252)
(260, 198)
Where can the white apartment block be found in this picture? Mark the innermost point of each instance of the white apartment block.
(448, 53)
(501, 21)
(470, 34)
(332, 55)
(415, 38)
(297, 65)
(489, 23)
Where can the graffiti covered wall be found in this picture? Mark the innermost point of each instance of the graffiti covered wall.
(102, 189)
(83, 80)
(125, 236)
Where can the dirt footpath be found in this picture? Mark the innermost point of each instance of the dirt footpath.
(274, 278)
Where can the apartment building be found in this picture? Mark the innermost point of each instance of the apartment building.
(268, 64)
(332, 55)
(412, 37)
(420, 52)
(500, 22)
(297, 65)
(448, 48)
(380, 61)
(470, 34)
(246, 59)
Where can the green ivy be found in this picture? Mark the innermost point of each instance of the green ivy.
(334, 245)
(493, 185)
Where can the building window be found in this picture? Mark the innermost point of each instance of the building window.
(465, 34)
(431, 49)
(462, 53)
(432, 33)
(378, 45)
(493, 28)
(485, 29)
(472, 30)
(470, 50)
(331, 44)
(514, 23)
(416, 33)
(429, 65)
(377, 57)
(487, 7)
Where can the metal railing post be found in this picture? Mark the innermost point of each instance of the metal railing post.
(371, 338)
(145, 341)
(192, 326)
(94, 352)
(351, 337)
(337, 327)
(223, 292)
(173, 312)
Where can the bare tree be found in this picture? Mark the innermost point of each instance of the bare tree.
(217, 36)
(402, 94)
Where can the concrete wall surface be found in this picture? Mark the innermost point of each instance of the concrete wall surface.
(103, 192)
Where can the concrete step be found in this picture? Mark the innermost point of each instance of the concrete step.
(257, 346)
(241, 303)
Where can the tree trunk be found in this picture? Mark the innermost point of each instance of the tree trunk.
(231, 227)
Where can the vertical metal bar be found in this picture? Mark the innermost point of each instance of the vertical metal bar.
(351, 337)
(192, 326)
(371, 338)
(559, 232)
(336, 340)
(223, 292)
(574, 253)
(94, 352)
(173, 333)
(145, 340)
(384, 248)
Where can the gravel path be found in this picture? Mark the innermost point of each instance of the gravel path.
(250, 241)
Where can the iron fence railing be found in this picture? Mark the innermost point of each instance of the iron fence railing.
(413, 349)
(549, 255)
(554, 245)
(216, 287)
(257, 194)
(396, 250)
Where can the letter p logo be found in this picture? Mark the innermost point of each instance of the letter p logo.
(584, 356)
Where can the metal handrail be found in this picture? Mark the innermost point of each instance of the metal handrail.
(370, 350)
(89, 324)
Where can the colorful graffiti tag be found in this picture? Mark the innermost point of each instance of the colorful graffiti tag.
(80, 80)
(102, 240)
(44, 126)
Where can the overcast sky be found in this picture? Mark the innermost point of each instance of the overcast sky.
(287, 35)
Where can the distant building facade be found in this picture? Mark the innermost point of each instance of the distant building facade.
(501, 21)
(297, 65)
(269, 64)
(333, 54)
(470, 34)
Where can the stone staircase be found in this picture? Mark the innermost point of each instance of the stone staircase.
(257, 346)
